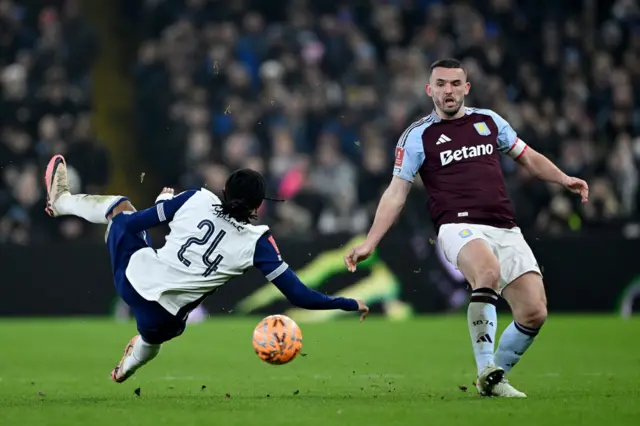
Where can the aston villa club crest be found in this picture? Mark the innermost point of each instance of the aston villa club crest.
(465, 233)
(482, 128)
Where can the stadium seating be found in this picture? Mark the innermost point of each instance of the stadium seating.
(316, 97)
(46, 54)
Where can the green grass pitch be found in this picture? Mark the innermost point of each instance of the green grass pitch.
(581, 371)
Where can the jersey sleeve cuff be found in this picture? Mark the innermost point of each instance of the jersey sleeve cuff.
(402, 175)
(352, 305)
(277, 272)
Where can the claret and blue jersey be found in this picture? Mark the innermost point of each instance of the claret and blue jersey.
(458, 161)
(203, 250)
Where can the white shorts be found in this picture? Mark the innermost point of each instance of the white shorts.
(513, 252)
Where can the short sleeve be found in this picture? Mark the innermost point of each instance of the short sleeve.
(409, 153)
(267, 258)
(508, 141)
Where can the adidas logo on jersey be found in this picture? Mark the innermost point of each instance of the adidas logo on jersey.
(449, 156)
(443, 139)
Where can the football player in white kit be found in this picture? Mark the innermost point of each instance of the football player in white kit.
(210, 241)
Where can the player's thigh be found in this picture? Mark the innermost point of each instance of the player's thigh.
(469, 250)
(155, 324)
(121, 243)
(521, 279)
(514, 254)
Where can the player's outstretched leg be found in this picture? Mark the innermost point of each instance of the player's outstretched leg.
(60, 202)
(150, 317)
(480, 266)
(528, 302)
(136, 354)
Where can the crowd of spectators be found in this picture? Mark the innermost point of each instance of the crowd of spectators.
(46, 54)
(316, 94)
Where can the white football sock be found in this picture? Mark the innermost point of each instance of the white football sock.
(93, 208)
(514, 342)
(483, 321)
(143, 352)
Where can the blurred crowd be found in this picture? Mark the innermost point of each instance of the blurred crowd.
(316, 94)
(46, 53)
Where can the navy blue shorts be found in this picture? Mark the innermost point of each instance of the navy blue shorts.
(155, 324)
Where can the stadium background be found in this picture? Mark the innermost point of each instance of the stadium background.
(144, 94)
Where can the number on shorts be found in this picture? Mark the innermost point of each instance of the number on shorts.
(211, 265)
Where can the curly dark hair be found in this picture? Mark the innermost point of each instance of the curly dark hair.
(243, 193)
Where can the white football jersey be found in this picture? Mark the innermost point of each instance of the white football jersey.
(202, 252)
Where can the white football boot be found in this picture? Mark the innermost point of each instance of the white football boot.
(488, 379)
(504, 390)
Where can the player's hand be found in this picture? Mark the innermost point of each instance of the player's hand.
(167, 190)
(357, 255)
(363, 309)
(577, 186)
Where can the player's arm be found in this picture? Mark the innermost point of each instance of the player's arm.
(408, 160)
(541, 167)
(269, 262)
(389, 208)
(162, 212)
(537, 164)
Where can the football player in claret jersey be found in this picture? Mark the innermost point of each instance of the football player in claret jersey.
(211, 240)
(456, 150)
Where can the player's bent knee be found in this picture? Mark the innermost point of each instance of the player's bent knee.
(161, 333)
(527, 299)
(158, 337)
(479, 265)
(533, 316)
(123, 206)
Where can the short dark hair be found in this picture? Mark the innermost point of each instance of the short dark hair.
(243, 192)
(446, 63)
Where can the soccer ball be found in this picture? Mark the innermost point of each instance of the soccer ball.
(277, 339)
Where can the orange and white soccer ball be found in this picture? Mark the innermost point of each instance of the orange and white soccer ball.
(277, 339)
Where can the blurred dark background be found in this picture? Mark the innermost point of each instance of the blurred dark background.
(144, 94)
(141, 94)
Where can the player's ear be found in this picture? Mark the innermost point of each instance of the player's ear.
(467, 87)
(427, 89)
